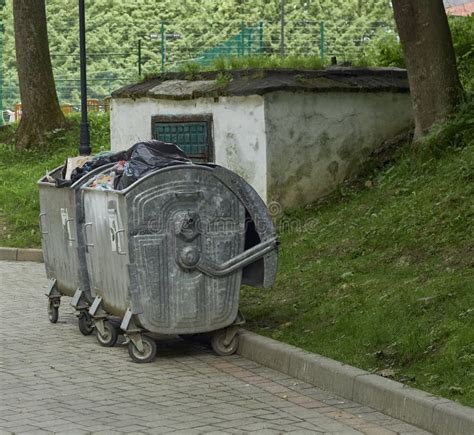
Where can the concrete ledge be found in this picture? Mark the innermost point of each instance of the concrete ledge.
(452, 419)
(30, 255)
(434, 414)
(9, 254)
(15, 254)
(397, 400)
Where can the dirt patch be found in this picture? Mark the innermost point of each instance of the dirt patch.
(383, 156)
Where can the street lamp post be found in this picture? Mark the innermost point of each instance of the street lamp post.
(84, 139)
(2, 29)
(282, 27)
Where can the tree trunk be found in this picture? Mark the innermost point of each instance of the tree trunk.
(429, 55)
(40, 107)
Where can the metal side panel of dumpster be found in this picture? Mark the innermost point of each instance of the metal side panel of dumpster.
(106, 243)
(57, 207)
(179, 216)
(61, 225)
(58, 223)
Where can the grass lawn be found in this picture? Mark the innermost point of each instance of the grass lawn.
(380, 275)
(19, 172)
(383, 277)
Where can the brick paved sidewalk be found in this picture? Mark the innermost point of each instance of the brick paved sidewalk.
(54, 380)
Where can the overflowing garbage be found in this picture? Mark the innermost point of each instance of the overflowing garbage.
(131, 165)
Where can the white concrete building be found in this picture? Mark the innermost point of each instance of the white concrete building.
(293, 135)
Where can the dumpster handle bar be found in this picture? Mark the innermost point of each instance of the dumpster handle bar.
(87, 224)
(66, 225)
(117, 247)
(239, 261)
(41, 223)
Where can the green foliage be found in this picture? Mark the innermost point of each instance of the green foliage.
(222, 64)
(457, 131)
(266, 62)
(20, 170)
(191, 27)
(462, 29)
(384, 51)
(223, 78)
(361, 32)
(383, 277)
(191, 70)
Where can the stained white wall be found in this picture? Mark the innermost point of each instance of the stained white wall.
(238, 129)
(292, 148)
(315, 140)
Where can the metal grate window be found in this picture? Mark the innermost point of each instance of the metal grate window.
(192, 136)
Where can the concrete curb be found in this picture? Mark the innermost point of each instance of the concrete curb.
(429, 412)
(18, 254)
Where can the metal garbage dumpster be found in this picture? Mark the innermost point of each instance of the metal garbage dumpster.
(169, 254)
(61, 225)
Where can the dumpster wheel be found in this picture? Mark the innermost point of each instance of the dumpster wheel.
(85, 323)
(110, 337)
(53, 310)
(223, 343)
(149, 350)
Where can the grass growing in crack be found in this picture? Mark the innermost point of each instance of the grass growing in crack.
(221, 64)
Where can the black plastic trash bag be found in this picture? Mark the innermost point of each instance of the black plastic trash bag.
(145, 157)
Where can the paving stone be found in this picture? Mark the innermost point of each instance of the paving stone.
(53, 379)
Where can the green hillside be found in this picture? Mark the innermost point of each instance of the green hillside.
(191, 27)
(381, 275)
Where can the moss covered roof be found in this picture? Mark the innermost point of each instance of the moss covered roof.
(179, 86)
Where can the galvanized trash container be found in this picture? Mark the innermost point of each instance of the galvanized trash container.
(169, 254)
(61, 225)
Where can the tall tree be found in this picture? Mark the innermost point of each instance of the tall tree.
(431, 63)
(40, 107)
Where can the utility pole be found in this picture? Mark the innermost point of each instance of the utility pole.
(84, 138)
(282, 27)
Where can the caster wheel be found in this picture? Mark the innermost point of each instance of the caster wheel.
(85, 324)
(148, 354)
(110, 337)
(220, 347)
(53, 312)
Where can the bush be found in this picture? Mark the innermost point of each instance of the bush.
(462, 30)
(384, 50)
(456, 132)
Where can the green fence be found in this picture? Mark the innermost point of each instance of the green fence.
(173, 46)
(324, 39)
(249, 41)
